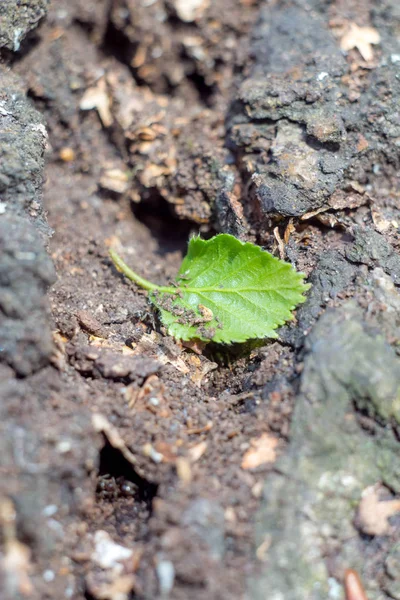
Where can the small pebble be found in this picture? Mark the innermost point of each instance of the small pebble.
(67, 154)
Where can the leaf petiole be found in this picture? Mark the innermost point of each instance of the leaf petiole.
(140, 281)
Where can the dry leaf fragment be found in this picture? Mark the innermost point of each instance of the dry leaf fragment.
(196, 345)
(97, 97)
(263, 451)
(361, 38)
(102, 425)
(373, 513)
(115, 180)
(197, 451)
(202, 372)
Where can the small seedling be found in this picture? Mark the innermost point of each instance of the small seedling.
(225, 291)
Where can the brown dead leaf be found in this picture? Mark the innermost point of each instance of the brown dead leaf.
(196, 345)
(263, 451)
(374, 513)
(361, 38)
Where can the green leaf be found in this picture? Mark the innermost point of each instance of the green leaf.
(226, 291)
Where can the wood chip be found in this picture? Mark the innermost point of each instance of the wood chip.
(263, 451)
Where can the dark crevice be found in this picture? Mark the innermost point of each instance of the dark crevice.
(116, 44)
(114, 464)
(316, 144)
(171, 233)
(206, 92)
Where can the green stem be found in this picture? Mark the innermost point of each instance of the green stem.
(143, 283)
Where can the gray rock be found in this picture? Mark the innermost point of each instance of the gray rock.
(333, 274)
(23, 139)
(392, 572)
(370, 248)
(297, 131)
(206, 519)
(26, 272)
(310, 503)
(17, 18)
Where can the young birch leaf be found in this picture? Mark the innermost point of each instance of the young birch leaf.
(226, 291)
